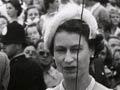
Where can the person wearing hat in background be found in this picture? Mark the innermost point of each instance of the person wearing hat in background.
(25, 74)
(70, 39)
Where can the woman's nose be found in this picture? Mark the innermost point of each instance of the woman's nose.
(33, 17)
(68, 57)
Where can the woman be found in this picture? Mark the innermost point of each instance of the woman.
(14, 11)
(32, 15)
(33, 34)
(52, 77)
(51, 7)
(4, 71)
(69, 40)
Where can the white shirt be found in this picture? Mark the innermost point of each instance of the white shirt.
(92, 86)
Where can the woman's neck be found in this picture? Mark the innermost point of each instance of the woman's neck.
(13, 19)
(82, 83)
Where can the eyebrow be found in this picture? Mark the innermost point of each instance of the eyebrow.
(77, 45)
(74, 46)
(59, 47)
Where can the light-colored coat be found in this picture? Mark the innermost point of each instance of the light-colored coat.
(93, 86)
(4, 71)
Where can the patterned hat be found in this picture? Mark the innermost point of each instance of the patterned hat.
(68, 12)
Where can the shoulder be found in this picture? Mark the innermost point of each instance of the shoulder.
(98, 86)
(58, 87)
(3, 57)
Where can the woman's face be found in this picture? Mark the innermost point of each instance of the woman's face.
(44, 54)
(30, 52)
(103, 54)
(66, 46)
(115, 18)
(39, 4)
(33, 34)
(33, 13)
(11, 11)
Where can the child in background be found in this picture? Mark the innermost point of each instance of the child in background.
(32, 15)
(33, 33)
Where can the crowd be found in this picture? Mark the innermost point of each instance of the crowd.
(59, 44)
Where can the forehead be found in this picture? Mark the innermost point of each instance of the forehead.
(30, 48)
(9, 4)
(32, 10)
(67, 39)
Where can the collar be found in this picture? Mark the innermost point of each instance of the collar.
(94, 7)
(17, 56)
(90, 87)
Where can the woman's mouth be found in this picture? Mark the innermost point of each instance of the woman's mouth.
(70, 69)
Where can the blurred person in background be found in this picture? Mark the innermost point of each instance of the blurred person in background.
(3, 10)
(4, 71)
(32, 15)
(100, 64)
(27, 3)
(115, 20)
(14, 11)
(51, 7)
(25, 74)
(52, 77)
(114, 45)
(99, 12)
(40, 5)
(30, 52)
(33, 34)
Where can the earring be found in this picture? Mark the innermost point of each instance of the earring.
(92, 56)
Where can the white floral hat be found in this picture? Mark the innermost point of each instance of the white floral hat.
(68, 12)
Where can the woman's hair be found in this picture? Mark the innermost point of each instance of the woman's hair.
(81, 28)
(17, 4)
(31, 7)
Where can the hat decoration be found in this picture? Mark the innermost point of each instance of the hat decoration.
(68, 12)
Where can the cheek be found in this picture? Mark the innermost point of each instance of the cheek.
(29, 16)
(37, 35)
(84, 60)
(58, 61)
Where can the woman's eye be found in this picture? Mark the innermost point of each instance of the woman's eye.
(75, 50)
(60, 50)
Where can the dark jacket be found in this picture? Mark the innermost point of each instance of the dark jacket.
(25, 75)
(97, 71)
